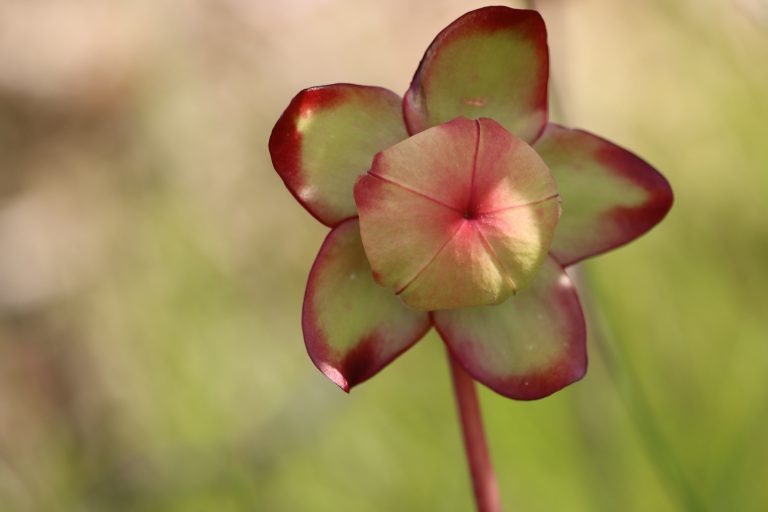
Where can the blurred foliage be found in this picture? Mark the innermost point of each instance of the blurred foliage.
(152, 269)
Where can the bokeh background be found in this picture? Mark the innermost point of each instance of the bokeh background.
(152, 267)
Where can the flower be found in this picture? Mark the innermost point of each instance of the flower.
(458, 207)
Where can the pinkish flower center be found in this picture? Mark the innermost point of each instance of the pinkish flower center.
(458, 215)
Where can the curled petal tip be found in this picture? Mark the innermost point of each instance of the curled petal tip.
(335, 375)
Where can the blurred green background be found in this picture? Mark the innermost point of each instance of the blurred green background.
(152, 268)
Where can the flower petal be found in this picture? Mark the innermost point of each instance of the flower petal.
(464, 272)
(610, 196)
(458, 215)
(327, 137)
(492, 62)
(353, 327)
(402, 230)
(520, 237)
(526, 348)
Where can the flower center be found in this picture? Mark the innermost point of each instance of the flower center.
(415, 202)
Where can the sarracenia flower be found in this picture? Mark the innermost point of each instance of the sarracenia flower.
(458, 207)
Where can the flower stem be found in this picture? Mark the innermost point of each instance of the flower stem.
(483, 478)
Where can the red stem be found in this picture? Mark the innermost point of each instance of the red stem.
(483, 478)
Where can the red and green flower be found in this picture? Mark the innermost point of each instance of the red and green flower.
(460, 207)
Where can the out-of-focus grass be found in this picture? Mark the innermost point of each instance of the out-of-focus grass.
(152, 270)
